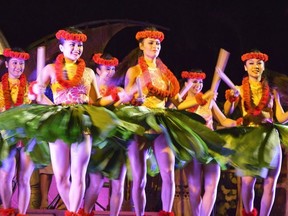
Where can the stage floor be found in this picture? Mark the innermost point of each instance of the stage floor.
(40, 212)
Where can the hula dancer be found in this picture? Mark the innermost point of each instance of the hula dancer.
(258, 97)
(13, 93)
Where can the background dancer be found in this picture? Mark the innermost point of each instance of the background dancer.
(111, 95)
(14, 92)
(196, 172)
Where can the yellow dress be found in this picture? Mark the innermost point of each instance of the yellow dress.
(257, 145)
(14, 88)
(74, 95)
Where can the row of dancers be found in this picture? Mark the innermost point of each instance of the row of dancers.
(107, 123)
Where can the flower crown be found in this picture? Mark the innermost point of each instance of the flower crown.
(150, 34)
(101, 61)
(193, 75)
(256, 55)
(13, 54)
(63, 34)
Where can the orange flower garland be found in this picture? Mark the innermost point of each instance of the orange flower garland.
(107, 62)
(166, 72)
(7, 92)
(200, 102)
(193, 108)
(193, 75)
(59, 64)
(113, 91)
(239, 121)
(256, 55)
(13, 54)
(248, 104)
(149, 34)
(63, 34)
(230, 97)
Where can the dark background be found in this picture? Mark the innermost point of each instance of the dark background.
(194, 30)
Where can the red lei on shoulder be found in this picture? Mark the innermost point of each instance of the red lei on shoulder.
(200, 102)
(7, 92)
(59, 64)
(249, 106)
(166, 72)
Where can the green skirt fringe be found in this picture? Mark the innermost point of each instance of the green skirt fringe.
(47, 123)
(256, 148)
(186, 132)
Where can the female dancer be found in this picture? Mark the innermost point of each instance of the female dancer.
(169, 133)
(70, 148)
(111, 96)
(156, 82)
(257, 97)
(197, 102)
(14, 92)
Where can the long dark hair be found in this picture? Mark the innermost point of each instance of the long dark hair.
(129, 61)
(279, 82)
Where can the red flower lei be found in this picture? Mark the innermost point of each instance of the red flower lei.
(248, 104)
(193, 108)
(193, 75)
(59, 72)
(200, 102)
(71, 36)
(257, 55)
(113, 91)
(13, 54)
(7, 91)
(149, 34)
(107, 62)
(165, 71)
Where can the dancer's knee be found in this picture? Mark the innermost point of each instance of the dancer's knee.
(139, 183)
(168, 177)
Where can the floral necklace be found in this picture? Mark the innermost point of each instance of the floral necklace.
(59, 64)
(200, 102)
(7, 91)
(248, 104)
(166, 72)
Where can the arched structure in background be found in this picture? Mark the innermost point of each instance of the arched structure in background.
(99, 34)
(3, 42)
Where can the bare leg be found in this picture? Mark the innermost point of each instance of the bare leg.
(137, 157)
(166, 162)
(26, 168)
(92, 192)
(117, 195)
(247, 192)
(193, 173)
(80, 156)
(269, 189)
(60, 159)
(211, 179)
(7, 172)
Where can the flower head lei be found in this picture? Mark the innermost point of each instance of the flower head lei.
(249, 106)
(166, 72)
(59, 64)
(107, 62)
(193, 75)
(150, 34)
(14, 54)
(256, 55)
(7, 92)
(63, 34)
